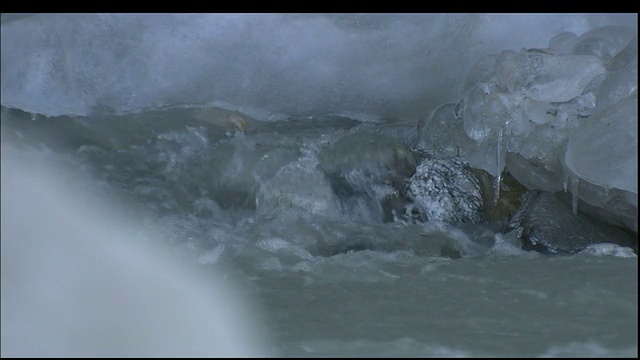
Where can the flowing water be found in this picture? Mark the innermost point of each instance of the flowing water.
(330, 274)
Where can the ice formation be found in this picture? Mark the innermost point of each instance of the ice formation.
(563, 117)
(550, 98)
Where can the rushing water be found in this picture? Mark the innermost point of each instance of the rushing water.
(331, 274)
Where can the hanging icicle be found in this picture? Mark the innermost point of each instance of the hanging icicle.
(500, 164)
(574, 193)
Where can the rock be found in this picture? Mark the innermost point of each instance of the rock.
(444, 190)
(367, 170)
(548, 225)
(509, 200)
(376, 154)
(297, 188)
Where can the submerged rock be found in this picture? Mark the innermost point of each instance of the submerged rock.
(369, 152)
(548, 225)
(366, 170)
(444, 190)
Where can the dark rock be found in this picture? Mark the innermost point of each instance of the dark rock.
(548, 225)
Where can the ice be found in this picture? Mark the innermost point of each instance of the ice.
(531, 174)
(481, 72)
(619, 84)
(543, 146)
(543, 81)
(509, 108)
(500, 155)
(438, 130)
(573, 183)
(540, 112)
(560, 78)
(483, 155)
(603, 154)
(510, 71)
(385, 65)
(625, 56)
(546, 77)
(521, 109)
(604, 150)
(475, 119)
(563, 43)
(585, 104)
(604, 42)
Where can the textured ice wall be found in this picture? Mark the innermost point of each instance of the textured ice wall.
(383, 65)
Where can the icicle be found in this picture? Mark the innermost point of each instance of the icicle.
(500, 164)
(565, 180)
(496, 187)
(574, 193)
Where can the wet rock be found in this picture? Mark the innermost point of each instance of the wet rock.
(367, 171)
(224, 119)
(369, 152)
(508, 201)
(445, 190)
(548, 225)
(296, 188)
